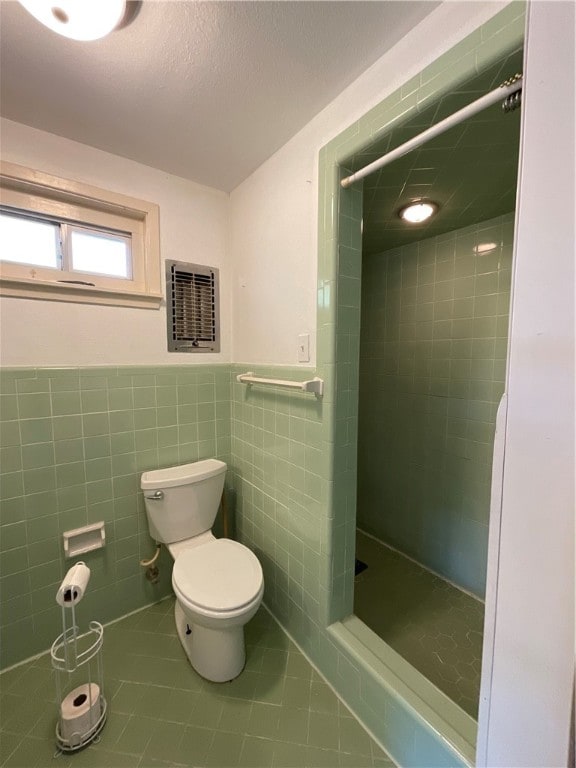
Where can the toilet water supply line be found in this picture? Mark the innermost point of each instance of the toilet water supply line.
(225, 525)
(148, 563)
(152, 571)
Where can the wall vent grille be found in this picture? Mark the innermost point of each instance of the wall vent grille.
(192, 307)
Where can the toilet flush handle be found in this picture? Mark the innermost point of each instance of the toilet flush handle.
(157, 496)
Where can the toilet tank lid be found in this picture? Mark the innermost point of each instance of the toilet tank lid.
(181, 475)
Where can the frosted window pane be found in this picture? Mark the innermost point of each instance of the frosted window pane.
(27, 241)
(100, 254)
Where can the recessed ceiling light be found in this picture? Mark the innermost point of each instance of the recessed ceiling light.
(418, 211)
(86, 20)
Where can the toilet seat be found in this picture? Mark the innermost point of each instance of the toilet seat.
(221, 576)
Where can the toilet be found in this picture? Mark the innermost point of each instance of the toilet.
(218, 582)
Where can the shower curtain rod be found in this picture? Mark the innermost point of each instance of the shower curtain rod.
(505, 91)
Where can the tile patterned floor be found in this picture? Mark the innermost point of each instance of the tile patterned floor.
(433, 625)
(277, 713)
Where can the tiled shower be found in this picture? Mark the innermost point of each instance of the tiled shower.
(461, 337)
(432, 365)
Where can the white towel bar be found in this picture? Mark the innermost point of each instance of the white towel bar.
(314, 385)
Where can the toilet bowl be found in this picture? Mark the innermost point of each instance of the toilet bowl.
(218, 582)
(219, 588)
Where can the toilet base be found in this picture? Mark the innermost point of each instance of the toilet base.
(217, 655)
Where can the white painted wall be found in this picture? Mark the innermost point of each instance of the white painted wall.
(527, 677)
(193, 227)
(268, 290)
(274, 212)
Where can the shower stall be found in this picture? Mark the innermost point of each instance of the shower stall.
(433, 345)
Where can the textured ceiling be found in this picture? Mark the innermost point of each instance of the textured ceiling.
(470, 171)
(204, 90)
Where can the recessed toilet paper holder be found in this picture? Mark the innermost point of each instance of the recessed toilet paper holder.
(85, 539)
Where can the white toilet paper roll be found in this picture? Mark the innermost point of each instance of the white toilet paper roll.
(72, 589)
(79, 712)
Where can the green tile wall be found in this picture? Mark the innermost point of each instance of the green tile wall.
(280, 456)
(432, 366)
(73, 445)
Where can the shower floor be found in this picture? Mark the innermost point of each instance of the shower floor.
(435, 626)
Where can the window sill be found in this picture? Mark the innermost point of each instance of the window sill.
(83, 294)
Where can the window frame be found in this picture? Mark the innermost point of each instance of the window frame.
(78, 204)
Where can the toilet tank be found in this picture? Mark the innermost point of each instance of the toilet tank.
(182, 502)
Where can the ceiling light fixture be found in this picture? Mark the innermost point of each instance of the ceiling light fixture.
(418, 211)
(78, 19)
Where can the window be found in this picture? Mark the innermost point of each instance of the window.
(28, 241)
(66, 241)
(40, 242)
(100, 253)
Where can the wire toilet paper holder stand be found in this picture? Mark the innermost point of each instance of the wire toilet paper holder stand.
(70, 653)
